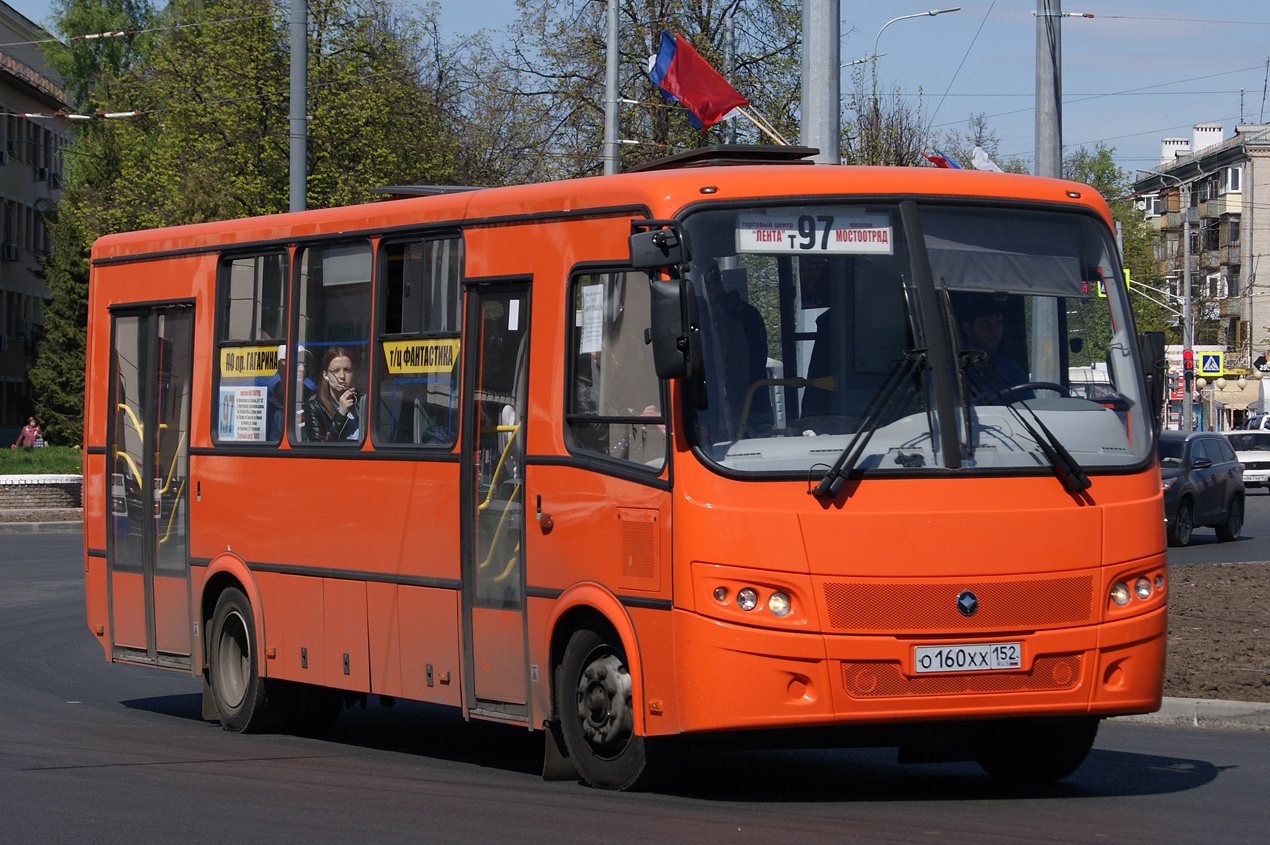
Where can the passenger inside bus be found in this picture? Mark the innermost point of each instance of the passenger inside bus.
(332, 414)
(735, 337)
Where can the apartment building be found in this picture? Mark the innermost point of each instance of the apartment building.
(30, 180)
(1213, 183)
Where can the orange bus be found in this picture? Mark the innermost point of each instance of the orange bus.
(732, 448)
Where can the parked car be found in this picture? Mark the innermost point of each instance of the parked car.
(1258, 422)
(1203, 485)
(1252, 448)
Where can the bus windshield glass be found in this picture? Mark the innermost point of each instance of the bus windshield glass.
(813, 342)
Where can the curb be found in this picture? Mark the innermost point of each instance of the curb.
(1207, 713)
(61, 527)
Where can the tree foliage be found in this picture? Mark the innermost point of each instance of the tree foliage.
(211, 138)
(557, 63)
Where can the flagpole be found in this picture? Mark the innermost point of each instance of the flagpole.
(763, 125)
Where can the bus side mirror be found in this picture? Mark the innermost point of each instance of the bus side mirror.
(657, 244)
(1154, 372)
(675, 333)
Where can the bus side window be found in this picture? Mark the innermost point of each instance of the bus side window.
(250, 367)
(614, 398)
(418, 340)
(332, 334)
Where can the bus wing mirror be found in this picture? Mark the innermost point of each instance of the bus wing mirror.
(1154, 369)
(675, 333)
(655, 244)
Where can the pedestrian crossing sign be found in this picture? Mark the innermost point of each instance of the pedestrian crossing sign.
(1211, 364)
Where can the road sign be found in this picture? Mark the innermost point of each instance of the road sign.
(1211, 364)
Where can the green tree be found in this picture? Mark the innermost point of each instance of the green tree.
(209, 84)
(556, 62)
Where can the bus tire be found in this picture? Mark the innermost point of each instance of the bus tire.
(593, 698)
(245, 702)
(1035, 751)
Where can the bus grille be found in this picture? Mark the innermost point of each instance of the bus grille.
(878, 678)
(924, 607)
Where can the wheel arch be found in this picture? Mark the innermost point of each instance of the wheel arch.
(225, 571)
(589, 604)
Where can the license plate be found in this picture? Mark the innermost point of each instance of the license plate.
(979, 657)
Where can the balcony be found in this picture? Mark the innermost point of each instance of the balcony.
(1224, 204)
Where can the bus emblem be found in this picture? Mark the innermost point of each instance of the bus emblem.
(967, 603)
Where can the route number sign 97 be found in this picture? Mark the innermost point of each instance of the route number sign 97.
(827, 231)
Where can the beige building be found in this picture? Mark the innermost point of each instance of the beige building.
(30, 180)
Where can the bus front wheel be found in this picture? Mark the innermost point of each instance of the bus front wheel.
(593, 698)
(245, 702)
(1040, 751)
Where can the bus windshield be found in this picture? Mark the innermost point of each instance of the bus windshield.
(813, 340)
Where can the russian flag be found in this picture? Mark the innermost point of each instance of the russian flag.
(941, 160)
(684, 77)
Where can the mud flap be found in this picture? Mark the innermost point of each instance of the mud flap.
(556, 764)
(210, 713)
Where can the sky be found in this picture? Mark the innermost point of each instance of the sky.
(1133, 74)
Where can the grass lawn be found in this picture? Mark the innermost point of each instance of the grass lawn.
(51, 460)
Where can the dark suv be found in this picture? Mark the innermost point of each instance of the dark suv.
(1203, 485)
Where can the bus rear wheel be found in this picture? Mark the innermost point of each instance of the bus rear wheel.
(245, 702)
(1035, 751)
(593, 698)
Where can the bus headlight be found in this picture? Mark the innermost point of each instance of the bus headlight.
(778, 604)
(1142, 588)
(1120, 594)
(747, 599)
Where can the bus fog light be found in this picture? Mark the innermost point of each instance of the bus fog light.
(1142, 588)
(720, 593)
(778, 604)
(1159, 582)
(747, 599)
(1120, 594)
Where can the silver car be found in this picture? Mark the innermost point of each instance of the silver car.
(1253, 450)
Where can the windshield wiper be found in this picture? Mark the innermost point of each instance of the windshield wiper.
(1069, 471)
(837, 474)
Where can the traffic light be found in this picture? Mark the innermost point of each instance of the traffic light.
(1188, 369)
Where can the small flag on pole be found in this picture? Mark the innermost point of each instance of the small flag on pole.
(686, 78)
(981, 161)
(941, 160)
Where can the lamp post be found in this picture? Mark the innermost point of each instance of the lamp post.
(873, 92)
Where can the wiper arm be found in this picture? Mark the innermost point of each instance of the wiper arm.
(837, 474)
(1069, 471)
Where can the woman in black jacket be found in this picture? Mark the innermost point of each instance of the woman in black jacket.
(331, 413)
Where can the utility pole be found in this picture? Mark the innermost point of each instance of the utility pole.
(821, 102)
(729, 71)
(299, 104)
(610, 92)
(1049, 162)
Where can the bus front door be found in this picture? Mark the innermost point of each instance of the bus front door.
(493, 495)
(147, 447)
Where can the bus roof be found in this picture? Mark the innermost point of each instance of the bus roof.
(657, 193)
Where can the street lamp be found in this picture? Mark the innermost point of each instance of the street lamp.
(873, 97)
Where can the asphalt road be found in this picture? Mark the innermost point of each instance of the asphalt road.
(94, 752)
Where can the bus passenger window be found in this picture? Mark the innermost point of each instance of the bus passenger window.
(333, 335)
(250, 350)
(614, 401)
(417, 361)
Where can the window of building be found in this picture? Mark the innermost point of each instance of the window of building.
(250, 367)
(332, 342)
(417, 365)
(1233, 287)
(614, 402)
(1232, 180)
(1232, 230)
